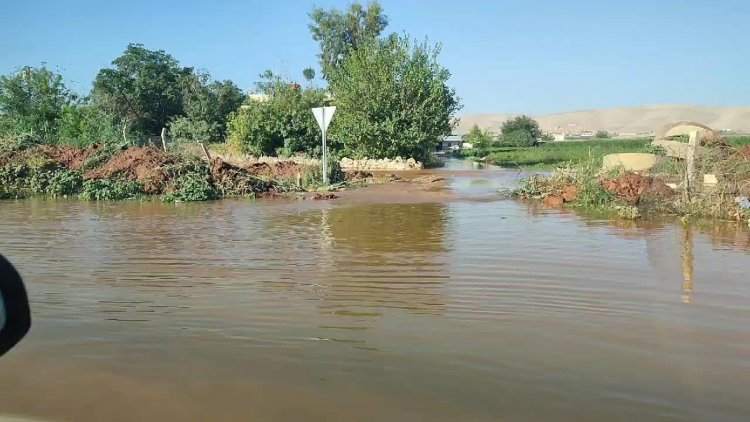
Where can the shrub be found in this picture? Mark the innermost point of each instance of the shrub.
(282, 124)
(83, 125)
(183, 129)
(110, 189)
(37, 176)
(522, 123)
(191, 181)
(518, 138)
(479, 138)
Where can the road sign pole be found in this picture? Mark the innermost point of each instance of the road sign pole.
(325, 151)
(323, 116)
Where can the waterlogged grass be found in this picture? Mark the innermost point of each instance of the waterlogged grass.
(555, 154)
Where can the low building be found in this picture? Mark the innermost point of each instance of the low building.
(449, 143)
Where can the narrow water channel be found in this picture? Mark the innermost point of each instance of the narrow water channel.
(475, 308)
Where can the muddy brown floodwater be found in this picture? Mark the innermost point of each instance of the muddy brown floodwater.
(452, 305)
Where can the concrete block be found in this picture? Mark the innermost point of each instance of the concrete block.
(632, 161)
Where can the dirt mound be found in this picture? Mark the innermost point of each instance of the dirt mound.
(66, 156)
(142, 164)
(357, 176)
(63, 156)
(744, 152)
(324, 196)
(570, 193)
(286, 169)
(259, 169)
(631, 187)
(282, 169)
(235, 180)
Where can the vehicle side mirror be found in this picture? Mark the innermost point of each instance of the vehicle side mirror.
(15, 315)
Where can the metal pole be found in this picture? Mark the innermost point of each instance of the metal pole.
(692, 151)
(325, 155)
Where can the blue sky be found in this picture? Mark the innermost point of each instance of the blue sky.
(515, 56)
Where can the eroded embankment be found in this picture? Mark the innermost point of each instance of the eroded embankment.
(100, 172)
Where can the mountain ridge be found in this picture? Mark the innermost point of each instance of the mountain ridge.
(622, 120)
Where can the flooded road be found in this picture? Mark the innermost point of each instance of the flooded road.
(428, 309)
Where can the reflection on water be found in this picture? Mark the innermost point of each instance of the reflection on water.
(307, 310)
(687, 265)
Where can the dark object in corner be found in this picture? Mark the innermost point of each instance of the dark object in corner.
(15, 315)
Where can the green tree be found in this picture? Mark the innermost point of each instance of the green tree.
(340, 32)
(280, 124)
(524, 123)
(83, 124)
(207, 105)
(480, 138)
(520, 131)
(32, 100)
(143, 88)
(393, 100)
(518, 138)
(601, 134)
(309, 74)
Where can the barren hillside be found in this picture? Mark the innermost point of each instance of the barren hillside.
(624, 120)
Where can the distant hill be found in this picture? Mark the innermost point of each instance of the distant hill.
(624, 120)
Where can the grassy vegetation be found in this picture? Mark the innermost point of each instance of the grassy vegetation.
(555, 154)
(737, 140)
(630, 195)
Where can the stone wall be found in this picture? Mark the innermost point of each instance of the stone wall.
(371, 164)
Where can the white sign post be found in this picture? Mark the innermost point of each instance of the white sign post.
(324, 115)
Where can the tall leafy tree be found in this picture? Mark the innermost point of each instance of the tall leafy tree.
(207, 105)
(393, 99)
(32, 101)
(521, 131)
(144, 87)
(339, 32)
(479, 138)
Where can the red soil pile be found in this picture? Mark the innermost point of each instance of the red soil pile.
(631, 187)
(64, 156)
(67, 156)
(259, 169)
(142, 164)
(286, 169)
(281, 169)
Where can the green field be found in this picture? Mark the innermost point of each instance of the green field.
(738, 141)
(553, 154)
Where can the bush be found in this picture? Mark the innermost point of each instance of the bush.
(522, 123)
(38, 176)
(191, 182)
(58, 182)
(254, 129)
(518, 138)
(82, 125)
(183, 129)
(479, 138)
(282, 124)
(110, 189)
(32, 101)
